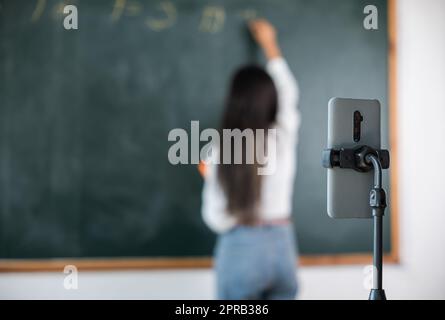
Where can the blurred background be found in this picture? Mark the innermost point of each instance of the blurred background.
(85, 116)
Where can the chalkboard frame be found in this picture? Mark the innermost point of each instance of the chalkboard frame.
(32, 265)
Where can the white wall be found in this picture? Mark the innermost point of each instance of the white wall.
(421, 274)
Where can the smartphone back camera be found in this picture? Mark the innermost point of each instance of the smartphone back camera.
(357, 119)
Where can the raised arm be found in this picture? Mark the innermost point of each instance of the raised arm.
(288, 117)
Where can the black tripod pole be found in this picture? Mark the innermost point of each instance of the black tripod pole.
(377, 201)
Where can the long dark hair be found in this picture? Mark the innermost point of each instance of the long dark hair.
(251, 104)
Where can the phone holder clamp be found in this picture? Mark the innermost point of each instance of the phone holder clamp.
(357, 158)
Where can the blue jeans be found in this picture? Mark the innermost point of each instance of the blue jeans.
(257, 262)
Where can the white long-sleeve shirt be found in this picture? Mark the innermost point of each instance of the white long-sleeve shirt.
(277, 188)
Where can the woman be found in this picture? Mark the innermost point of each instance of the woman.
(255, 252)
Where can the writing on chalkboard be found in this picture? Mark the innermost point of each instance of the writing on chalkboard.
(248, 14)
(167, 21)
(132, 8)
(38, 10)
(162, 17)
(212, 19)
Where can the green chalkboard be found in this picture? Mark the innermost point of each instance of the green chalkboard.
(85, 115)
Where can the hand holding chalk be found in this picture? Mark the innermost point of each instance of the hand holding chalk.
(265, 35)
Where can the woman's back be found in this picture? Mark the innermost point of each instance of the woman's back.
(277, 186)
(249, 204)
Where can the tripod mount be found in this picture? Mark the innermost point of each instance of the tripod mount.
(365, 159)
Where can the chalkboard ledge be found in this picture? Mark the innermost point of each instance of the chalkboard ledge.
(22, 265)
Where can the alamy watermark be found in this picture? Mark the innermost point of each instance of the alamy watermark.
(71, 280)
(370, 277)
(70, 22)
(371, 21)
(259, 144)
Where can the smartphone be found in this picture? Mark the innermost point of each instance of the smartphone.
(351, 123)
